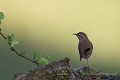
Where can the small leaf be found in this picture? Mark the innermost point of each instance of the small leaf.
(45, 60)
(13, 43)
(41, 60)
(11, 40)
(8, 38)
(1, 16)
(37, 55)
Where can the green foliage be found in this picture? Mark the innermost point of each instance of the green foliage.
(44, 60)
(1, 16)
(58, 73)
(41, 60)
(12, 40)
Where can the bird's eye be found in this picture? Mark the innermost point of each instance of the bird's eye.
(80, 35)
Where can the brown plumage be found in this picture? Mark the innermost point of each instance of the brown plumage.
(85, 47)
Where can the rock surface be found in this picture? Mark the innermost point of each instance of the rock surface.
(61, 70)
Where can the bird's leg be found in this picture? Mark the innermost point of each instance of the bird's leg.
(80, 58)
(80, 62)
(87, 61)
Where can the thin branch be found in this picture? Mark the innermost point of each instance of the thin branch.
(19, 54)
(2, 35)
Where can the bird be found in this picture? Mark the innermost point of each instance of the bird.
(85, 47)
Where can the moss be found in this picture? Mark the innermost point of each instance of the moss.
(60, 70)
(60, 73)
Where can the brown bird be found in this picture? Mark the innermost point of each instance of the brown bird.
(85, 47)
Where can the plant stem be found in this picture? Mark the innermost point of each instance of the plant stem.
(19, 54)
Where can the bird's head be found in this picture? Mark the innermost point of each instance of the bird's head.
(81, 35)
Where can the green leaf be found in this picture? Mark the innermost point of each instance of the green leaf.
(45, 60)
(37, 55)
(14, 43)
(1, 16)
(41, 60)
(12, 40)
(8, 39)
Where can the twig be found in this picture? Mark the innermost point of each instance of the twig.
(2, 34)
(14, 50)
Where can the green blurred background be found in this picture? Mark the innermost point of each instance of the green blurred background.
(47, 26)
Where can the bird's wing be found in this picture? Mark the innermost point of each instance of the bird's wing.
(85, 49)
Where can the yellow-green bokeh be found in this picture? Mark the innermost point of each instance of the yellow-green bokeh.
(47, 26)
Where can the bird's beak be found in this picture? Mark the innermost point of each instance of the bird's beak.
(74, 34)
